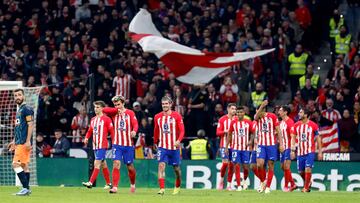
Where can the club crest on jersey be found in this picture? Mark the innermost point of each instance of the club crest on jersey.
(303, 137)
(17, 121)
(166, 127)
(241, 132)
(122, 125)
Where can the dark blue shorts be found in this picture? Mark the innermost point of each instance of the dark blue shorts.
(240, 157)
(171, 157)
(100, 154)
(285, 155)
(224, 155)
(124, 153)
(267, 152)
(305, 161)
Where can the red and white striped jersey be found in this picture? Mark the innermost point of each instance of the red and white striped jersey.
(222, 127)
(305, 136)
(78, 124)
(122, 85)
(241, 132)
(168, 129)
(124, 123)
(332, 115)
(99, 128)
(266, 129)
(285, 127)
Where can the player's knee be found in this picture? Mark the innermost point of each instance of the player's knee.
(116, 164)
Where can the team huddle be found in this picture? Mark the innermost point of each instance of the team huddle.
(255, 145)
(122, 126)
(252, 145)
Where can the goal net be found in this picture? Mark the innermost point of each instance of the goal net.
(8, 110)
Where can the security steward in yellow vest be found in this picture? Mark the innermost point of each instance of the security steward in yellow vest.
(298, 62)
(257, 96)
(342, 41)
(199, 148)
(314, 78)
(336, 21)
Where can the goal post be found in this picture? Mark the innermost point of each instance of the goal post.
(8, 110)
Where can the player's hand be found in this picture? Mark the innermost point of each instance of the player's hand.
(226, 150)
(292, 155)
(320, 156)
(264, 103)
(133, 134)
(281, 148)
(86, 141)
(11, 146)
(177, 144)
(28, 145)
(155, 147)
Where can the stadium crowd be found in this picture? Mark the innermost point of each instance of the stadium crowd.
(58, 44)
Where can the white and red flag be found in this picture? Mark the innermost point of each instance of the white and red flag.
(189, 65)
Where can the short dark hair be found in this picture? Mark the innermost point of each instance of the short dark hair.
(231, 104)
(240, 108)
(307, 112)
(19, 90)
(57, 130)
(286, 108)
(100, 103)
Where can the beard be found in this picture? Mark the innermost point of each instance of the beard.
(19, 101)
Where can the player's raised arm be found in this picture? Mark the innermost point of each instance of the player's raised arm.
(110, 111)
(261, 108)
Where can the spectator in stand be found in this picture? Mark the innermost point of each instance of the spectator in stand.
(79, 126)
(342, 41)
(146, 131)
(139, 113)
(340, 103)
(122, 83)
(347, 132)
(244, 80)
(355, 67)
(298, 61)
(308, 92)
(61, 146)
(180, 101)
(330, 113)
(42, 148)
(314, 78)
(196, 108)
(257, 96)
(334, 72)
(228, 91)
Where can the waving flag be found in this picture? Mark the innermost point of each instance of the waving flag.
(189, 65)
(330, 138)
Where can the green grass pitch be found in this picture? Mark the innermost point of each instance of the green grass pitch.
(144, 195)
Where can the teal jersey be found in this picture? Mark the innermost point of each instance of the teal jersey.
(24, 115)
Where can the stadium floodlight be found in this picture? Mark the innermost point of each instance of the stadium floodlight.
(8, 110)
